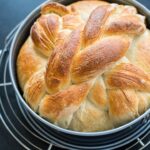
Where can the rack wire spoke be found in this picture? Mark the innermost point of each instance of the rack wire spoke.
(5, 84)
(8, 41)
(9, 37)
(8, 100)
(16, 131)
(13, 135)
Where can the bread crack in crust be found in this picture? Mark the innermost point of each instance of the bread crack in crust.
(86, 66)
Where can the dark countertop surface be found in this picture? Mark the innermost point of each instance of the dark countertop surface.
(11, 13)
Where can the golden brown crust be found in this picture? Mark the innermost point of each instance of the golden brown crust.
(28, 62)
(128, 24)
(84, 8)
(95, 24)
(71, 21)
(35, 89)
(57, 73)
(140, 51)
(90, 119)
(126, 10)
(123, 105)
(53, 105)
(98, 94)
(44, 33)
(128, 76)
(53, 7)
(144, 104)
(93, 60)
(86, 67)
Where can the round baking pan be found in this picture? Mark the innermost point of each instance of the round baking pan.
(72, 139)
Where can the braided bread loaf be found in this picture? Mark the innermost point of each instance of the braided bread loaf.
(86, 67)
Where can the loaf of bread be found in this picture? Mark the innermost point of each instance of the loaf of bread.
(86, 66)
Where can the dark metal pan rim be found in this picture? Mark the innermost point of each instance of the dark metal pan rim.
(71, 132)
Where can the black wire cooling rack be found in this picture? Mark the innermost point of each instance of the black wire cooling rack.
(20, 125)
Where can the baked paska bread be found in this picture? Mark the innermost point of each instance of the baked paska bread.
(86, 66)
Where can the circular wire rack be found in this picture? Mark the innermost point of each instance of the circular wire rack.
(22, 126)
